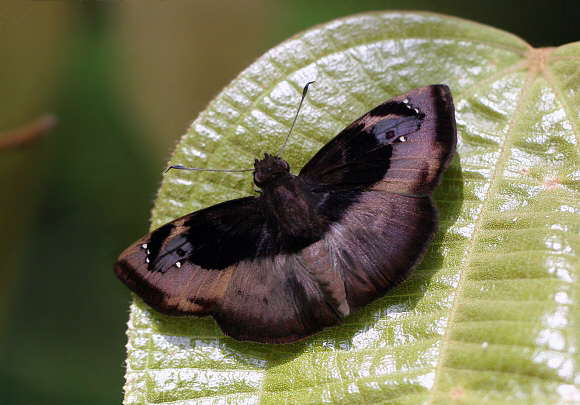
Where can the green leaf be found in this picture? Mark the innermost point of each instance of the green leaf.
(490, 316)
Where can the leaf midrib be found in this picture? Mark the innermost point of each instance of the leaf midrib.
(477, 230)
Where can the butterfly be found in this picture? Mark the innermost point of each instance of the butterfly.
(311, 248)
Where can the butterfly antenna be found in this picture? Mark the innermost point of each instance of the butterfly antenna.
(295, 117)
(180, 167)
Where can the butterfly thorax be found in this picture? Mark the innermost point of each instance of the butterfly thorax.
(289, 203)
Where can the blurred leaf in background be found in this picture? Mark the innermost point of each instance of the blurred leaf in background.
(124, 81)
(68, 201)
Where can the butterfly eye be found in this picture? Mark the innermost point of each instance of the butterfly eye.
(259, 178)
(262, 178)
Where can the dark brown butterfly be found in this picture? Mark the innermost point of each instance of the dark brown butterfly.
(312, 248)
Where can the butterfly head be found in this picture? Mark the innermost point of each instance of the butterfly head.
(268, 169)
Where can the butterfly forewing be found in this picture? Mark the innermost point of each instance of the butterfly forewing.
(180, 267)
(402, 146)
(311, 248)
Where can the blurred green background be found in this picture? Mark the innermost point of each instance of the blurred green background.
(125, 80)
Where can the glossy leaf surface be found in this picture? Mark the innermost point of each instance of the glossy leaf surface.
(490, 316)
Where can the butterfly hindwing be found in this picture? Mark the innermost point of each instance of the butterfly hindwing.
(274, 300)
(378, 242)
(372, 248)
